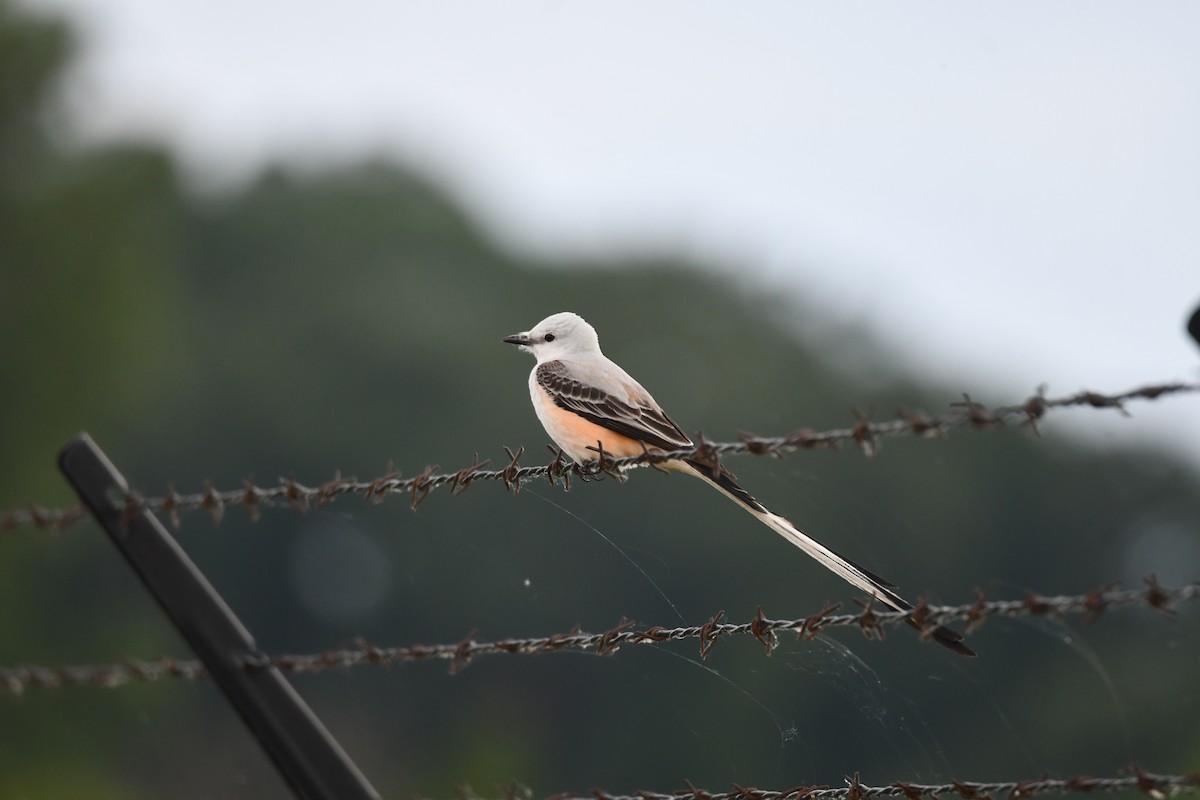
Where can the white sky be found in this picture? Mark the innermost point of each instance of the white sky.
(1010, 188)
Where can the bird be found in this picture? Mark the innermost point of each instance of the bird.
(591, 407)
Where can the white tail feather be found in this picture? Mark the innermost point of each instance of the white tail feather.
(843, 568)
(839, 566)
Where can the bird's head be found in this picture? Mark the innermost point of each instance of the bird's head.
(561, 335)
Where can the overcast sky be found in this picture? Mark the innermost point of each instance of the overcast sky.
(1011, 189)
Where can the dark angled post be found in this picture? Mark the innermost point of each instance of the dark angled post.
(309, 759)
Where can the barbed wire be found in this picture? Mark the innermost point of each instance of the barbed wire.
(864, 434)
(1134, 779)
(872, 622)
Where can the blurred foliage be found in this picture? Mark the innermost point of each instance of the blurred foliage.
(341, 319)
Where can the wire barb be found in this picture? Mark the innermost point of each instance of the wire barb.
(461, 653)
(866, 435)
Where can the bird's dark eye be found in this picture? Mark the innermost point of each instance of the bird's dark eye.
(549, 337)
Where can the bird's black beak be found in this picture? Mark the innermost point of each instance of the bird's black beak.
(518, 338)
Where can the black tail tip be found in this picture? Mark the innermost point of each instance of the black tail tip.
(946, 637)
(951, 639)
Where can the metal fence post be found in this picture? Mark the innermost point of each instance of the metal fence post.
(304, 752)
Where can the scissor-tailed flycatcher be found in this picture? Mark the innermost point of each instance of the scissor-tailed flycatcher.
(588, 404)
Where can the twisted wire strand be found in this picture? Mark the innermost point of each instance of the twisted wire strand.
(1135, 779)
(1091, 606)
(864, 434)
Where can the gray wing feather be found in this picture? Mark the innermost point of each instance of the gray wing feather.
(643, 422)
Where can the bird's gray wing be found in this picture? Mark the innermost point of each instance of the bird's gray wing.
(643, 422)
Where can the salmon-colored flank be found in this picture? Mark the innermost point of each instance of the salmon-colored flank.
(575, 435)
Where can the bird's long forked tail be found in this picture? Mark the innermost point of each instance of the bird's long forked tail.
(843, 567)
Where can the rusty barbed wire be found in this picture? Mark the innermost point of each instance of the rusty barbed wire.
(1090, 606)
(864, 434)
(1135, 779)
